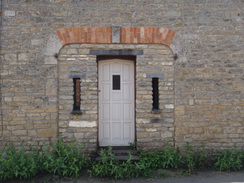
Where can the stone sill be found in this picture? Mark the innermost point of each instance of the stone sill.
(156, 111)
(78, 112)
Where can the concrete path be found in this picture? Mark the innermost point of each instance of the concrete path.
(201, 177)
(207, 177)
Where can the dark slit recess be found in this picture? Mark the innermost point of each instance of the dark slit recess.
(77, 98)
(155, 93)
(116, 82)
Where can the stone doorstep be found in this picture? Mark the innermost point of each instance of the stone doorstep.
(121, 153)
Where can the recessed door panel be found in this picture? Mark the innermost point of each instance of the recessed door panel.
(116, 131)
(105, 112)
(116, 112)
(105, 92)
(127, 130)
(127, 114)
(106, 131)
(105, 76)
(116, 96)
(127, 95)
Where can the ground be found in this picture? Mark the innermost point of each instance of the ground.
(173, 177)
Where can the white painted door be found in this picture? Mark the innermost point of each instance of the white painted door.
(116, 102)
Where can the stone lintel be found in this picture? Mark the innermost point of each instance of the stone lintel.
(156, 120)
(116, 52)
(81, 76)
(155, 75)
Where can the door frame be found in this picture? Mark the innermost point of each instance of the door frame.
(122, 57)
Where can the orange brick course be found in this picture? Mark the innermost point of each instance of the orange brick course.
(128, 35)
(80, 35)
(146, 35)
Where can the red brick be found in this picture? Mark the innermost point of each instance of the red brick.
(93, 35)
(88, 35)
(128, 35)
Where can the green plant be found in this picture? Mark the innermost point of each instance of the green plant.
(167, 158)
(18, 163)
(201, 157)
(108, 166)
(229, 160)
(64, 159)
(103, 167)
(190, 158)
(133, 145)
(194, 158)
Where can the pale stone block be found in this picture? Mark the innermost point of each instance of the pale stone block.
(50, 60)
(166, 134)
(151, 130)
(71, 51)
(143, 120)
(23, 56)
(9, 13)
(83, 124)
(7, 99)
(180, 110)
(71, 59)
(169, 106)
(167, 63)
(191, 101)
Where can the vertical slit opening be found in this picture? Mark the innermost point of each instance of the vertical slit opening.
(155, 93)
(77, 97)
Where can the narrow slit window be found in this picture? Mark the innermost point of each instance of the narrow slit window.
(155, 93)
(76, 94)
(116, 82)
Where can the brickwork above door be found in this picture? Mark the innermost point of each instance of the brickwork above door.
(124, 35)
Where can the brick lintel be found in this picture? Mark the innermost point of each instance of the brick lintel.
(109, 35)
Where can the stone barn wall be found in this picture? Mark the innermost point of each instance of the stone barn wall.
(202, 93)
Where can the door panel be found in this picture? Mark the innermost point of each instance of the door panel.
(116, 102)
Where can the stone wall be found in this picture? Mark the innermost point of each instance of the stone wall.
(207, 80)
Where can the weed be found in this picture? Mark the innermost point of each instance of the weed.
(18, 164)
(167, 158)
(63, 159)
(194, 158)
(108, 166)
(190, 158)
(133, 145)
(229, 160)
(201, 157)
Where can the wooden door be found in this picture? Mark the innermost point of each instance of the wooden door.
(116, 102)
